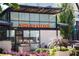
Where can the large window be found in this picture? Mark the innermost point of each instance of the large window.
(15, 23)
(52, 18)
(10, 33)
(24, 16)
(26, 33)
(33, 18)
(44, 17)
(34, 33)
(14, 15)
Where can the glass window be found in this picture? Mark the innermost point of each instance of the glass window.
(20, 22)
(24, 16)
(26, 33)
(44, 23)
(34, 17)
(14, 15)
(52, 18)
(15, 23)
(34, 22)
(34, 46)
(44, 17)
(10, 33)
(52, 25)
(34, 34)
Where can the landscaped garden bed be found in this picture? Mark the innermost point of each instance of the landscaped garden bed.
(40, 52)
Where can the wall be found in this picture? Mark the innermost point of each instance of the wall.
(6, 45)
(48, 36)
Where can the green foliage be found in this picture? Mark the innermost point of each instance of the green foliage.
(12, 5)
(51, 52)
(67, 17)
(41, 50)
(1, 50)
(0, 8)
(64, 49)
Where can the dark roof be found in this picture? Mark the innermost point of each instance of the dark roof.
(35, 9)
(4, 23)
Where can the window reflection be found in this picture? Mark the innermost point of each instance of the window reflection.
(52, 18)
(52, 25)
(34, 17)
(10, 33)
(34, 33)
(24, 16)
(44, 17)
(14, 15)
(26, 33)
(15, 23)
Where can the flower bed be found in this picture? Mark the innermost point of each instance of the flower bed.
(38, 52)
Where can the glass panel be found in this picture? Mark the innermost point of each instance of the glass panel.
(34, 46)
(52, 18)
(52, 25)
(15, 23)
(14, 15)
(20, 22)
(26, 33)
(44, 23)
(34, 22)
(44, 17)
(10, 33)
(34, 17)
(24, 16)
(34, 33)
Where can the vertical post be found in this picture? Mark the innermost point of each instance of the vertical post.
(39, 34)
(56, 27)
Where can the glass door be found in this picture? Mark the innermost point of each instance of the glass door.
(27, 39)
(32, 38)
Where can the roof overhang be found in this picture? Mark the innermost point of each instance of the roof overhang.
(36, 9)
(5, 23)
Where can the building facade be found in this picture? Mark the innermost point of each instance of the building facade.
(30, 27)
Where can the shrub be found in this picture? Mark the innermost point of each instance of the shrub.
(64, 49)
(38, 50)
(1, 50)
(41, 50)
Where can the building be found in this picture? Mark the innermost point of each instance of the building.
(29, 27)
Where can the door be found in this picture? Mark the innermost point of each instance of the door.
(27, 39)
(23, 44)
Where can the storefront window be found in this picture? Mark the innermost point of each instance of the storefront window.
(44, 17)
(33, 20)
(52, 25)
(52, 18)
(26, 33)
(24, 16)
(15, 23)
(14, 15)
(10, 33)
(34, 33)
(34, 17)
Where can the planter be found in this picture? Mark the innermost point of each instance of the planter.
(62, 53)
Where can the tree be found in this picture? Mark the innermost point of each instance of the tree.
(66, 17)
(12, 5)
